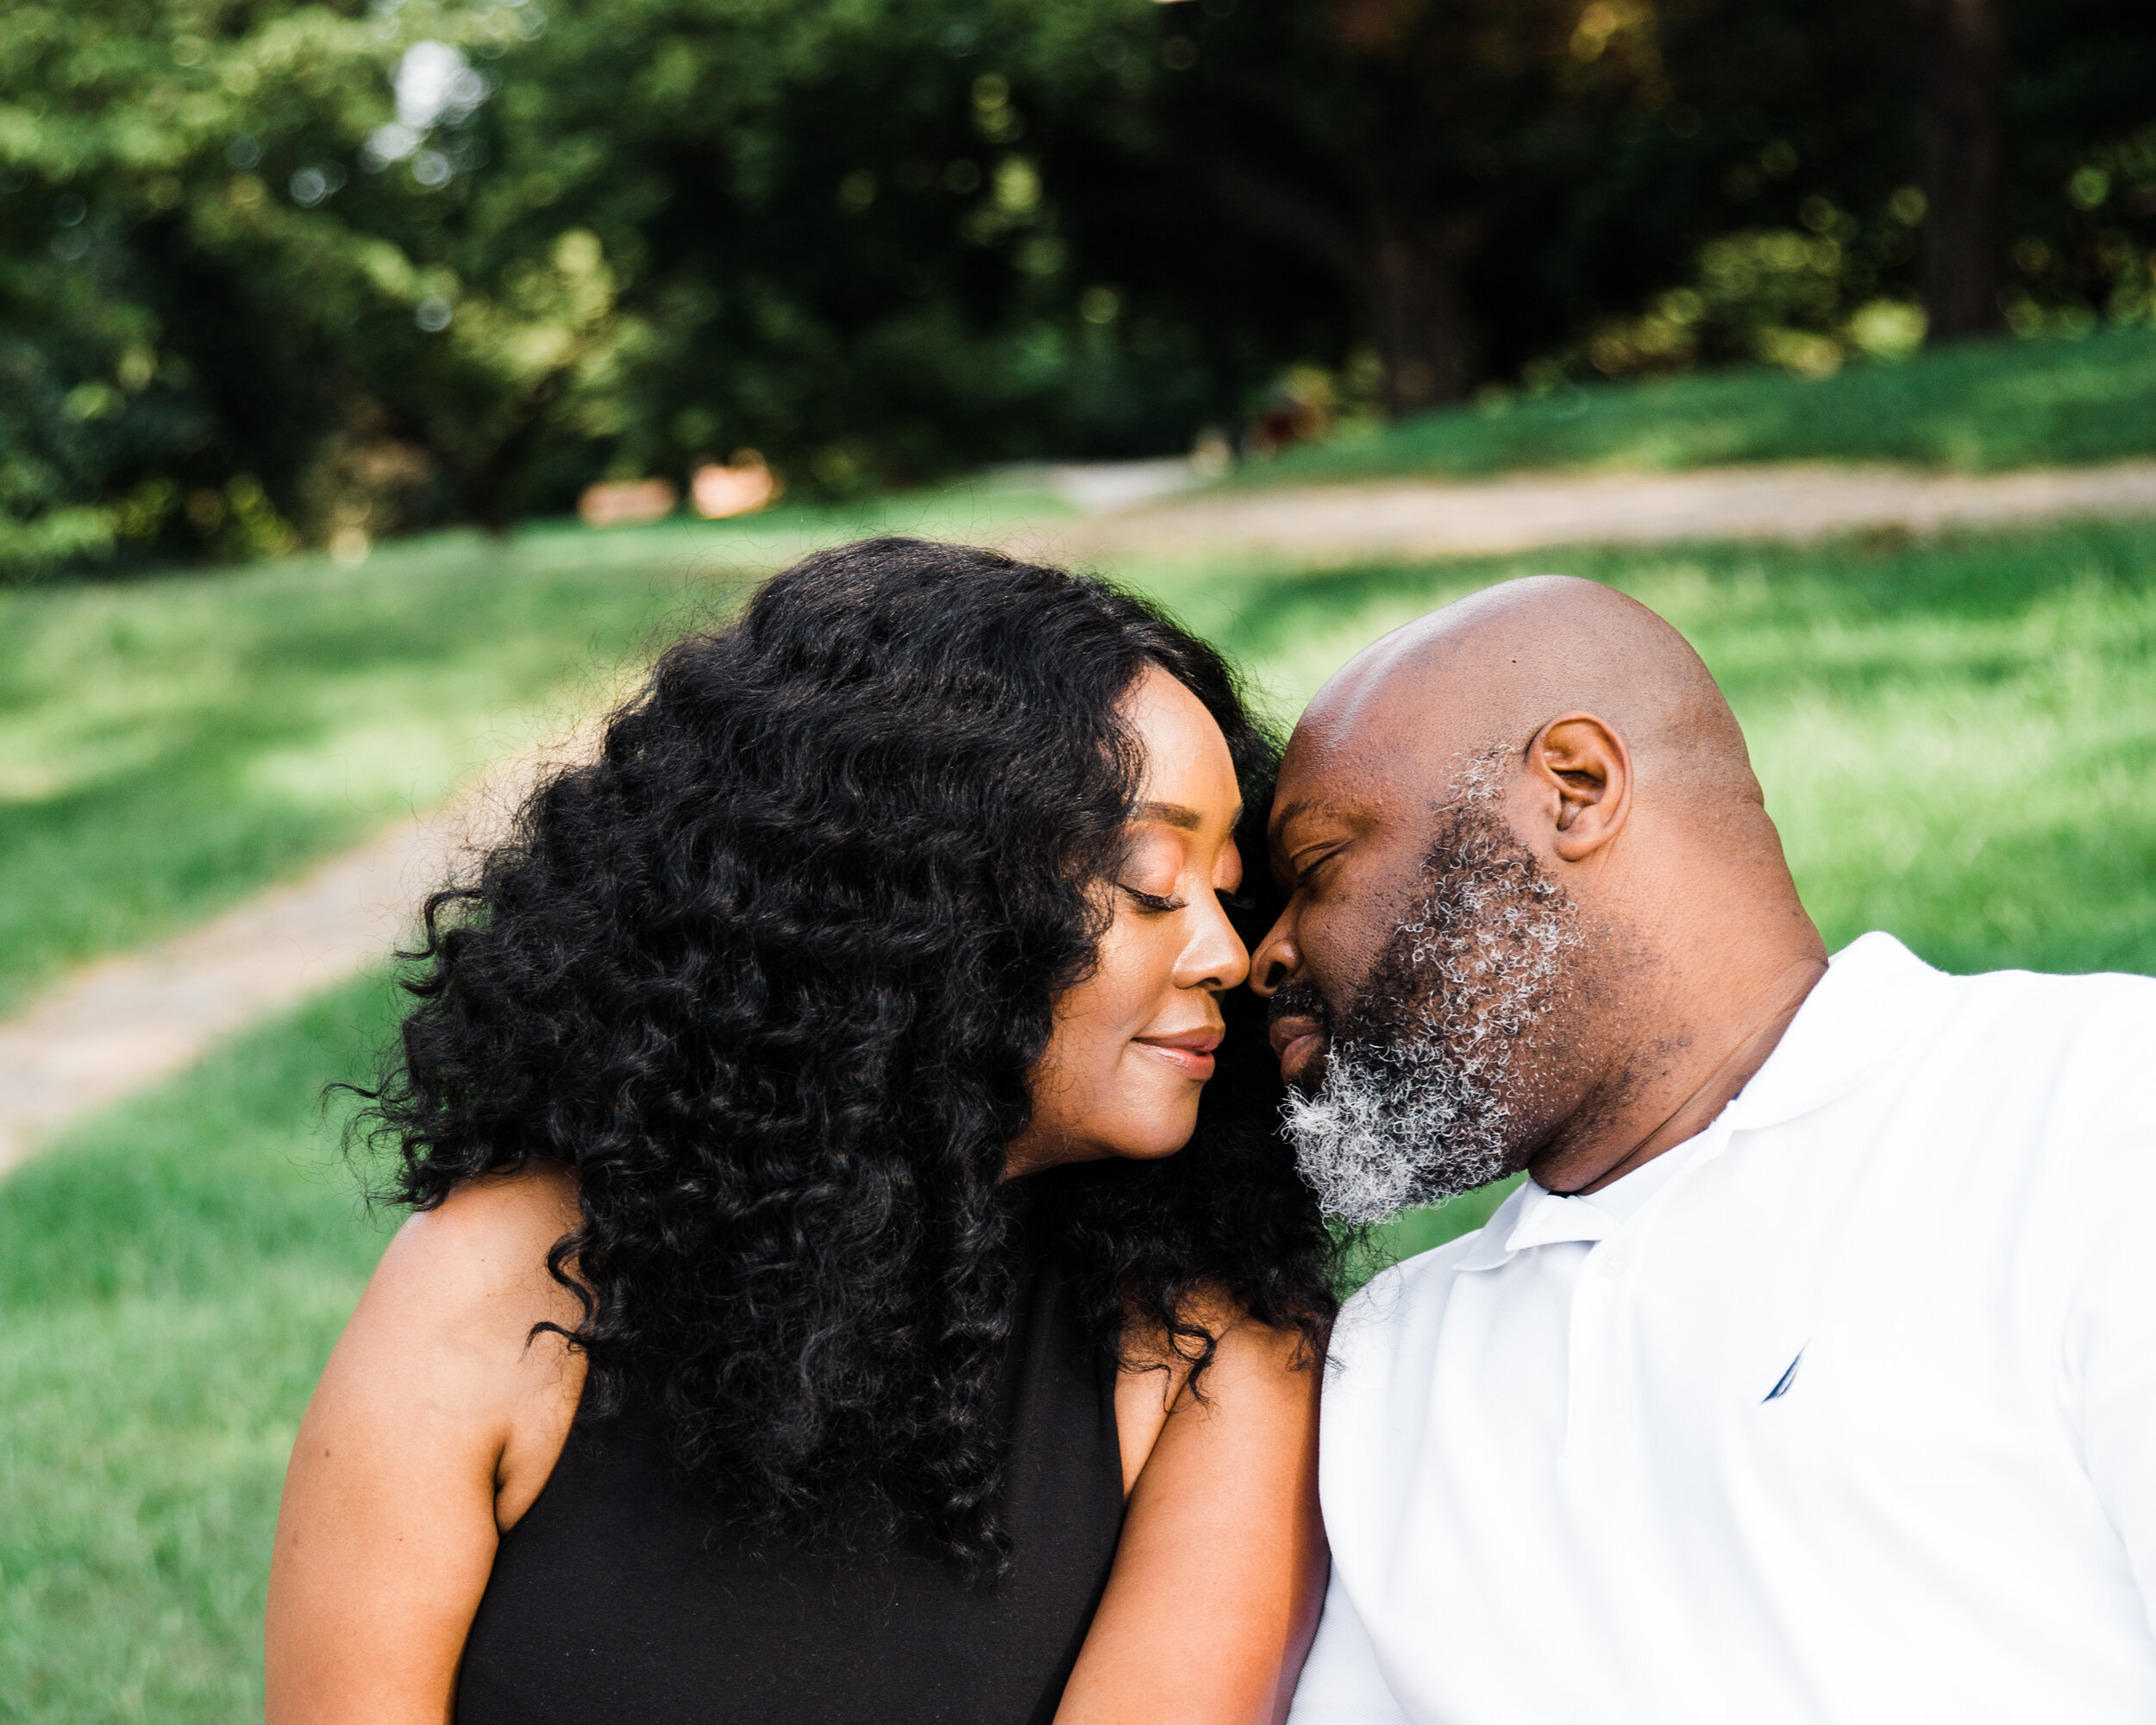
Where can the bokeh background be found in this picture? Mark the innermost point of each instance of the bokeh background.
(381, 383)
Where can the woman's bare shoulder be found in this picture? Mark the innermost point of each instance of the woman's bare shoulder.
(473, 1268)
(1237, 1338)
(493, 1227)
(1248, 1361)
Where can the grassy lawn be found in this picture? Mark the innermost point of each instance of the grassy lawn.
(1958, 738)
(171, 1278)
(168, 746)
(255, 721)
(1976, 406)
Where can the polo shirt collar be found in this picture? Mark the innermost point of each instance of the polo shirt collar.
(1874, 995)
(1493, 1244)
(1854, 1023)
(1552, 1219)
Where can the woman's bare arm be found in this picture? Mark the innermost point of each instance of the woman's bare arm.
(1220, 1572)
(435, 1424)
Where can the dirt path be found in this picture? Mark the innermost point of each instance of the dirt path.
(1415, 518)
(126, 1021)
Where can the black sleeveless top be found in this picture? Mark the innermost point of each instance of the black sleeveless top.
(619, 1599)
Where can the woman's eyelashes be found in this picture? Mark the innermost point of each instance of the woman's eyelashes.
(1161, 903)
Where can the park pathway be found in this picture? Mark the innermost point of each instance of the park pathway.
(124, 1022)
(1795, 501)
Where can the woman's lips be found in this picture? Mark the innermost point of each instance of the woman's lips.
(1189, 1052)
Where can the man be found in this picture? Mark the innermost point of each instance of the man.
(1811, 1373)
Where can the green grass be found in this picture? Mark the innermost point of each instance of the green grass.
(168, 746)
(1975, 406)
(1957, 737)
(171, 1277)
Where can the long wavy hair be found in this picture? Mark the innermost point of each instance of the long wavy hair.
(769, 976)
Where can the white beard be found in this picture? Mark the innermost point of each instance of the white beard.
(1381, 1137)
(1413, 1107)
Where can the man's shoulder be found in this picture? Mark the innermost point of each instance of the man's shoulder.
(2091, 990)
(2020, 1073)
(2036, 1018)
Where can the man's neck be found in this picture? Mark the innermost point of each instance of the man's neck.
(1683, 1101)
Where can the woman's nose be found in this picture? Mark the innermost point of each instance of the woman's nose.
(1216, 958)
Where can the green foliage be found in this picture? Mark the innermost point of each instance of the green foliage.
(1804, 299)
(225, 294)
(303, 271)
(281, 270)
(1975, 406)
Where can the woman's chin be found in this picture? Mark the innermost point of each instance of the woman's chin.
(1155, 1132)
(1150, 1152)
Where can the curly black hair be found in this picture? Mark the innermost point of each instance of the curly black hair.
(769, 976)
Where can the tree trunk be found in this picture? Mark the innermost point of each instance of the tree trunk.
(1400, 263)
(1962, 50)
(1418, 322)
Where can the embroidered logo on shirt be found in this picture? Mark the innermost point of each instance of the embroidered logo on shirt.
(1782, 1384)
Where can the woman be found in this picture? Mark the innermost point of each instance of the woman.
(811, 1310)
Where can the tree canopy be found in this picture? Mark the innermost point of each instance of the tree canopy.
(273, 271)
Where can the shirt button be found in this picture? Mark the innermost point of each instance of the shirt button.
(1614, 1262)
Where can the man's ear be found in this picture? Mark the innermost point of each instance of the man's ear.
(1583, 764)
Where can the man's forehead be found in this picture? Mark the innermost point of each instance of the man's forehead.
(1350, 778)
(1379, 738)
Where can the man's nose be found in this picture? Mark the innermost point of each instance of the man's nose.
(1275, 959)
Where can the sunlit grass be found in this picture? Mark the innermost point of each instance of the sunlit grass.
(171, 1277)
(1974, 406)
(168, 746)
(1956, 738)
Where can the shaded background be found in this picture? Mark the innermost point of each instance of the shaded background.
(272, 270)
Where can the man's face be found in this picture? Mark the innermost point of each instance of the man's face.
(1416, 974)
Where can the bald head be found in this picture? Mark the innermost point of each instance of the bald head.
(1530, 879)
(1480, 678)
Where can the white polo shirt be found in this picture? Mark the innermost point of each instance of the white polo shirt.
(1846, 1410)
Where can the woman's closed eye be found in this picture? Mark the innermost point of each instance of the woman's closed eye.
(1159, 903)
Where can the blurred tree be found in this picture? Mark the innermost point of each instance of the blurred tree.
(1387, 144)
(273, 271)
(1962, 45)
(254, 225)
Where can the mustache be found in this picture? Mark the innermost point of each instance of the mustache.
(1299, 998)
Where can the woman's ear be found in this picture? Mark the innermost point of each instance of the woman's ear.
(1584, 766)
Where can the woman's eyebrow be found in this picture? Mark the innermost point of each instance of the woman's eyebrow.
(1169, 814)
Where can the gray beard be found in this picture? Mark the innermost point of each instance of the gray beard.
(1413, 1105)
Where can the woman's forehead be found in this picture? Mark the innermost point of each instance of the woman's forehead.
(1187, 759)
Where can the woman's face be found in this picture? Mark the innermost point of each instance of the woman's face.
(1133, 1042)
